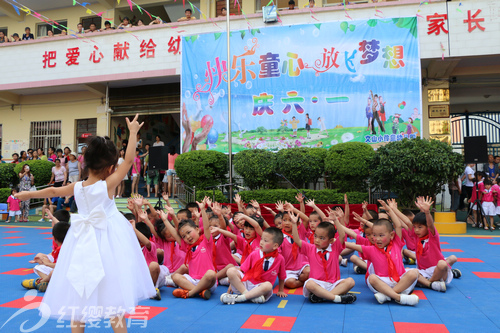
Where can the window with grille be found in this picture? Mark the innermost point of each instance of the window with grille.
(45, 134)
(86, 127)
(42, 28)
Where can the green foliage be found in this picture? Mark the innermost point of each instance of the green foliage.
(4, 194)
(261, 129)
(7, 175)
(219, 196)
(299, 166)
(320, 197)
(202, 168)
(348, 165)
(41, 171)
(257, 167)
(415, 167)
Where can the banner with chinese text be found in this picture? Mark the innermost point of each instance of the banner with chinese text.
(310, 85)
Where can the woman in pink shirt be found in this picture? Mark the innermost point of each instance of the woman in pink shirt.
(136, 172)
(172, 155)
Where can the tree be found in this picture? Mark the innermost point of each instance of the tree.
(415, 167)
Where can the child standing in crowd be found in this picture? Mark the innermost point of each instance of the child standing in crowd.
(100, 265)
(488, 205)
(14, 206)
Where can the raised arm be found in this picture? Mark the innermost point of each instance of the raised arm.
(217, 210)
(347, 210)
(226, 233)
(304, 218)
(353, 246)
(116, 178)
(238, 201)
(311, 204)
(366, 214)
(252, 222)
(206, 224)
(143, 216)
(405, 221)
(48, 192)
(255, 204)
(425, 206)
(350, 232)
(300, 198)
(295, 231)
(170, 228)
(270, 210)
(362, 220)
(395, 219)
(142, 239)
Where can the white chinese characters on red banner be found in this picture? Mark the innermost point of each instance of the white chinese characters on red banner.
(439, 22)
(147, 50)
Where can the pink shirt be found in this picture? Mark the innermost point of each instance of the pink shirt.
(150, 255)
(201, 260)
(431, 252)
(316, 262)
(277, 269)
(286, 251)
(178, 256)
(480, 186)
(488, 195)
(360, 240)
(13, 203)
(171, 161)
(496, 190)
(379, 260)
(223, 255)
(242, 243)
(137, 163)
(410, 242)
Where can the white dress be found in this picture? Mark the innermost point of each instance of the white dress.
(101, 271)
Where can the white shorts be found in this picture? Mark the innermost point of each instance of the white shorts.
(249, 286)
(392, 284)
(196, 281)
(238, 255)
(328, 286)
(134, 175)
(165, 179)
(164, 272)
(427, 273)
(14, 213)
(473, 206)
(73, 178)
(295, 274)
(42, 268)
(489, 209)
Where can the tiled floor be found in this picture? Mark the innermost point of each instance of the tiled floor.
(470, 303)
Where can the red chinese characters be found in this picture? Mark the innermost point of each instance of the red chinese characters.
(72, 55)
(174, 45)
(96, 57)
(148, 49)
(436, 23)
(120, 51)
(473, 21)
(47, 59)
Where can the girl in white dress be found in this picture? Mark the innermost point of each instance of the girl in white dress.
(101, 272)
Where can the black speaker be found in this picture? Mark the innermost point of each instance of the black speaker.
(476, 149)
(158, 158)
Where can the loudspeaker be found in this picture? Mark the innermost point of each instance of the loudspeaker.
(476, 149)
(158, 158)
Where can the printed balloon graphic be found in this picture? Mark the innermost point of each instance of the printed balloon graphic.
(207, 119)
(402, 105)
(212, 136)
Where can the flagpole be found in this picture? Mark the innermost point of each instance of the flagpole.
(229, 132)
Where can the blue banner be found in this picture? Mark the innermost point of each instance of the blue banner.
(311, 85)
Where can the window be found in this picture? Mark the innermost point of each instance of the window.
(5, 30)
(85, 129)
(42, 28)
(95, 19)
(45, 134)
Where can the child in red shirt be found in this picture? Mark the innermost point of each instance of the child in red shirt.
(13, 206)
(261, 269)
(488, 204)
(201, 279)
(148, 248)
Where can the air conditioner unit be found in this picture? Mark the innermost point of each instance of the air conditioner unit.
(269, 14)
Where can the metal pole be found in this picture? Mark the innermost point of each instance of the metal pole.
(229, 132)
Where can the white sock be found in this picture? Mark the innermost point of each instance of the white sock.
(240, 299)
(337, 299)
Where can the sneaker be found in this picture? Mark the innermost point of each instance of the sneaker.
(228, 298)
(457, 274)
(158, 295)
(224, 281)
(259, 300)
(359, 270)
(382, 298)
(409, 300)
(346, 299)
(169, 282)
(42, 286)
(438, 286)
(315, 299)
(29, 284)
(180, 293)
(205, 294)
(411, 261)
(343, 262)
(41, 220)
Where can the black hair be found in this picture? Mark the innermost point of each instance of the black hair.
(192, 205)
(126, 18)
(187, 212)
(159, 227)
(373, 213)
(15, 154)
(187, 222)
(342, 208)
(21, 153)
(143, 229)
(257, 219)
(420, 219)
(385, 222)
(107, 22)
(60, 230)
(276, 234)
(157, 136)
(101, 153)
(407, 212)
(30, 150)
(12, 190)
(129, 216)
(171, 150)
(497, 156)
(291, 2)
(250, 206)
(223, 9)
(93, 24)
(316, 213)
(223, 206)
(188, 10)
(62, 215)
(330, 228)
(375, 95)
(59, 150)
(27, 28)
(488, 181)
(213, 217)
(57, 159)
(278, 216)
(53, 149)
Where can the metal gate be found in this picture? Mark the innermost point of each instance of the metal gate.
(476, 124)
